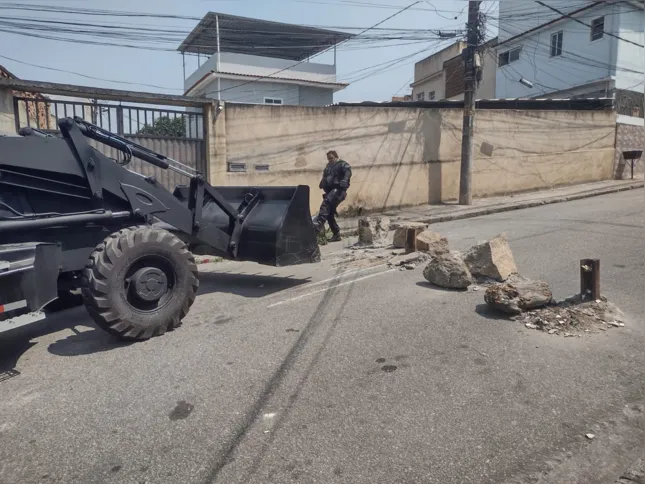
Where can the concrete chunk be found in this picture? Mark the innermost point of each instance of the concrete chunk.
(400, 260)
(492, 259)
(373, 230)
(432, 242)
(449, 271)
(401, 230)
(513, 298)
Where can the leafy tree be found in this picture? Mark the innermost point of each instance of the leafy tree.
(166, 126)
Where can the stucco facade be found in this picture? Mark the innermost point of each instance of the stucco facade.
(411, 156)
(253, 79)
(441, 75)
(581, 63)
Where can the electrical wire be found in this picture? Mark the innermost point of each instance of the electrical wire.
(587, 25)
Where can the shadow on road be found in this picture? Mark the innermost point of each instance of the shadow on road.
(246, 285)
(437, 288)
(88, 340)
(486, 311)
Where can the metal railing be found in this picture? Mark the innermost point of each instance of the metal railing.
(120, 119)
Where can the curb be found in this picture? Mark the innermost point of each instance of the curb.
(518, 206)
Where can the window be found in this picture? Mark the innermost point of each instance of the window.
(597, 28)
(237, 167)
(556, 44)
(509, 56)
(261, 167)
(272, 100)
(431, 96)
(421, 96)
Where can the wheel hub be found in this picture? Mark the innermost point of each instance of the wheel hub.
(150, 284)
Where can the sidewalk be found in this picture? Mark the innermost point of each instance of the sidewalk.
(430, 214)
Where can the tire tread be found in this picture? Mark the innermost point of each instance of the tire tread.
(101, 262)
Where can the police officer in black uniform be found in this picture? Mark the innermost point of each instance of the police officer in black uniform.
(334, 183)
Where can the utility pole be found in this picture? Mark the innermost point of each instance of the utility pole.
(470, 79)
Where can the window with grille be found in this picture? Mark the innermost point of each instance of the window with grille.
(431, 96)
(272, 100)
(597, 28)
(556, 44)
(237, 167)
(421, 96)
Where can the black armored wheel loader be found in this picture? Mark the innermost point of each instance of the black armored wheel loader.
(71, 218)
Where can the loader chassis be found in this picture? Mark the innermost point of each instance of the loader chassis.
(122, 237)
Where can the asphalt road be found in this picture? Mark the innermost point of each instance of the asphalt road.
(341, 373)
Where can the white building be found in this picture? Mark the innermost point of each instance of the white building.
(261, 62)
(572, 53)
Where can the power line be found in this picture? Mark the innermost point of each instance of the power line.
(327, 50)
(86, 76)
(587, 25)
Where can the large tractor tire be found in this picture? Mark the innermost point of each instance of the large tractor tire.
(140, 282)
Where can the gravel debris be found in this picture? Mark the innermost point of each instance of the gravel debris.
(573, 317)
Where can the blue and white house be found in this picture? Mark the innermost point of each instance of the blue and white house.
(572, 48)
(254, 61)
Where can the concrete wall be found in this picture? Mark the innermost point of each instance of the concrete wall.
(630, 135)
(630, 58)
(487, 86)
(7, 119)
(429, 73)
(410, 156)
(582, 61)
(263, 66)
(315, 96)
(240, 91)
(518, 17)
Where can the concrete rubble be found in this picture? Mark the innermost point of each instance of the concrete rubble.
(448, 270)
(518, 295)
(573, 317)
(401, 232)
(373, 231)
(432, 242)
(492, 259)
(407, 259)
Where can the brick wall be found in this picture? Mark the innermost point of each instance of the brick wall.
(36, 110)
(629, 103)
(628, 137)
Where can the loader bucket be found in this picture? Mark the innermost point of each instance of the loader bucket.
(28, 282)
(278, 231)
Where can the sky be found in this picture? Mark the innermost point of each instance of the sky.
(164, 69)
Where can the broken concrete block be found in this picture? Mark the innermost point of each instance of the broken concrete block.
(373, 230)
(513, 298)
(401, 260)
(449, 271)
(432, 242)
(492, 259)
(401, 231)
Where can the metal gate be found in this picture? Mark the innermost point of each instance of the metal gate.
(173, 133)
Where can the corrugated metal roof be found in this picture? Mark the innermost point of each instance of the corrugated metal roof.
(578, 104)
(242, 35)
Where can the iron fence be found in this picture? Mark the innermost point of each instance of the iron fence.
(176, 134)
(120, 119)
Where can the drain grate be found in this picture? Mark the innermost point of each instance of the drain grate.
(7, 374)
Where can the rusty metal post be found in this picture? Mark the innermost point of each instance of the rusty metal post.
(590, 278)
